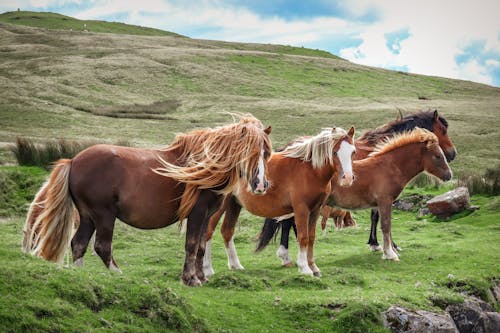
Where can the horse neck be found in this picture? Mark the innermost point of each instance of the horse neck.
(326, 172)
(407, 159)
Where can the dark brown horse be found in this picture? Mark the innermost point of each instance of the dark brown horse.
(300, 179)
(382, 176)
(430, 120)
(147, 189)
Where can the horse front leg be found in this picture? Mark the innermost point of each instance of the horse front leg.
(214, 206)
(212, 224)
(372, 241)
(195, 235)
(227, 229)
(385, 211)
(302, 223)
(313, 217)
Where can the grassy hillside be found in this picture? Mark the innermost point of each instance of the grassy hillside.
(146, 88)
(58, 82)
(62, 22)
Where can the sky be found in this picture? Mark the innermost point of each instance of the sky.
(450, 38)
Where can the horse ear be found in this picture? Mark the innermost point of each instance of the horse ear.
(436, 115)
(351, 132)
(268, 130)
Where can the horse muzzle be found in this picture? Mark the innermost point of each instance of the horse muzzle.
(447, 176)
(347, 179)
(260, 187)
(450, 154)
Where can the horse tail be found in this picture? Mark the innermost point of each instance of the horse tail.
(52, 216)
(269, 231)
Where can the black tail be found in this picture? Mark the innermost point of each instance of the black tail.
(269, 231)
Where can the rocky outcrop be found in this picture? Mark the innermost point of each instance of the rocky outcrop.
(475, 316)
(401, 320)
(449, 203)
(472, 316)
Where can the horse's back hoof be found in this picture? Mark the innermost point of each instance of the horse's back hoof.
(192, 281)
(288, 264)
(375, 248)
(318, 274)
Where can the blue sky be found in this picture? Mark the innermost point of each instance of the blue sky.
(456, 39)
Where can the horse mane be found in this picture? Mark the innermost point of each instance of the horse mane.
(317, 149)
(215, 158)
(422, 119)
(417, 135)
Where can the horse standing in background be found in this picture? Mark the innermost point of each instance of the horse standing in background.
(147, 189)
(300, 179)
(430, 120)
(381, 178)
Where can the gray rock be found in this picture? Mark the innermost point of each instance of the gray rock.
(401, 320)
(475, 316)
(449, 203)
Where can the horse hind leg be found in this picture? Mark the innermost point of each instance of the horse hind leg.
(104, 225)
(80, 241)
(372, 241)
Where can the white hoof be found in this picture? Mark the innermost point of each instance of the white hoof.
(236, 265)
(114, 268)
(375, 248)
(78, 262)
(306, 271)
(282, 253)
(390, 256)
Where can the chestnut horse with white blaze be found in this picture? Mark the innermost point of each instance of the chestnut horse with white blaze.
(381, 178)
(300, 178)
(147, 189)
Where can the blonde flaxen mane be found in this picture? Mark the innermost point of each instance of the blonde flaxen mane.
(416, 135)
(317, 149)
(215, 158)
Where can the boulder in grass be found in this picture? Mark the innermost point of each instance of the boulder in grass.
(401, 320)
(449, 203)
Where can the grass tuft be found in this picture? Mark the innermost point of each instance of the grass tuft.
(30, 153)
(487, 183)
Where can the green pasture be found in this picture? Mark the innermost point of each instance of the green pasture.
(122, 83)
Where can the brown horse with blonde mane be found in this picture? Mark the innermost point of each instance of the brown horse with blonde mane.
(300, 179)
(147, 189)
(382, 176)
(430, 120)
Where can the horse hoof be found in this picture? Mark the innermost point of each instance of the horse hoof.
(395, 258)
(288, 264)
(78, 262)
(318, 274)
(192, 281)
(375, 248)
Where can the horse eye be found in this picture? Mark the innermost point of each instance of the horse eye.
(334, 153)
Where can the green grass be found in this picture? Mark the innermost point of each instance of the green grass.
(439, 261)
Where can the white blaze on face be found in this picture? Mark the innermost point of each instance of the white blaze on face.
(345, 156)
(260, 188)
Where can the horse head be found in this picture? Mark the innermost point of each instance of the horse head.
(440, 129)
(435, 161)
(343, 151)
(255, 171)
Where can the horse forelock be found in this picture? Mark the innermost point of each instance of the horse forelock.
(317, 149)
(417, 135)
